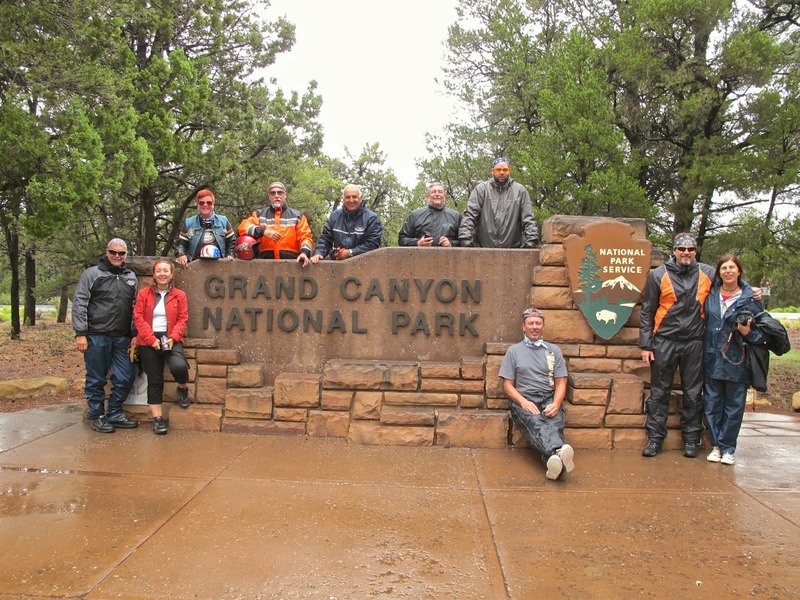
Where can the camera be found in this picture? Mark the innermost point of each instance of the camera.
(744, 317)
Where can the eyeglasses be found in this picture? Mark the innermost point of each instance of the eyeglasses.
(685, 248)
(117, 252)
(501, 170)
(205, 203)
(276, 192)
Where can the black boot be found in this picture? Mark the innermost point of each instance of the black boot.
(651, 449)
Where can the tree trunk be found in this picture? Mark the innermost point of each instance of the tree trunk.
(12, 240)
(30, 286)
(63, 304)
(147, 246)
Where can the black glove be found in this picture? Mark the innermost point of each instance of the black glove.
(258, 232)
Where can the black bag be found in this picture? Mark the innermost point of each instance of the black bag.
(758, 364)
(777, 339)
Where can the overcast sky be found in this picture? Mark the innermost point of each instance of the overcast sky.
(375, 63)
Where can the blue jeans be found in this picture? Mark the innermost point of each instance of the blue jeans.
(545, 434)
(107, 353)
(724, 404)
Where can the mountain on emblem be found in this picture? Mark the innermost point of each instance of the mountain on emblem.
(607, 270)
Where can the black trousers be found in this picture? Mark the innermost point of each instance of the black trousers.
(671, 355)
(153, 365)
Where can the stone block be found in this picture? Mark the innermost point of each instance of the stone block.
(189, 352)
(439, 370)
(632, 352)
(497, 403)
(518, 439)
(586, 351)
(373, 433)
(567, 326)
(296, 415)
(252, 403)
(551, 255)
(420, 399)
(245, 376)
(452, 385)
(594, 396)
(494, 384)
(638, 368)
(212, 370)
(496, 348)
(336, 399)
(585, 416)
(367, 405)
(569, 350)
(796, 401)
(472, 429)
(299, 390)
(674, 441)
(219, 356)
(589, 380)
(626, 335)
(402, 415)
(362, 375)
(589, 439)
(550, 276)
(191, 342)
(557, 228)
(472, 400)
(626, 395)
(472, 367)
(547, 298)
(629, 439)
(197, 418)
(327, 424)
(210, 390)
(261, 427)
(595, 365)
(625, 421)
(402, 376)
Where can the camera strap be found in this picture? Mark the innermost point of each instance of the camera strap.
(727, 345)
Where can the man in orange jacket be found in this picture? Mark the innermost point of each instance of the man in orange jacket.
(282, 232)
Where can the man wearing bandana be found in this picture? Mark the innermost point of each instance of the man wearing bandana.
(205, 231)
(535, 380)
(499, 213)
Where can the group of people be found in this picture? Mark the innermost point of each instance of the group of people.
(113, 321)
(499, 214)
(698, 319)
(695, 318)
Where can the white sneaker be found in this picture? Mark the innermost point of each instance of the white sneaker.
(567, 454)
(728, 458)
(715, 455)
(554, 467)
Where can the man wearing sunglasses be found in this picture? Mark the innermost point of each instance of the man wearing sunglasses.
(499, 213)
(204, 232)
(670, 338)
(102, 317)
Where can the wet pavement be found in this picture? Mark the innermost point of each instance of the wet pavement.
(229, 516)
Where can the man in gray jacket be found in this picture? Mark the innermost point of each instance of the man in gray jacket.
(499, 213)
(432, 225)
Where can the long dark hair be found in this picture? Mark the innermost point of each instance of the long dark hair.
(730, 257)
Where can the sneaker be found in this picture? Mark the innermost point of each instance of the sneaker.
(567, 454)
(183, 397)
(102, 426)
(728, 458)
(554, 467)
(691, 450)
(651, 449)
(159, 426)
(715, 455)
(123, 422)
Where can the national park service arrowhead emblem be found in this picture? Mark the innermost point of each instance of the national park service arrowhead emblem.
(607, 271)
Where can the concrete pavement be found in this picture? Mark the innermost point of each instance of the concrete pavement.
(224, 516)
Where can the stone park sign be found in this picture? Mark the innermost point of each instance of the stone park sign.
(607, 270)
(403, 304)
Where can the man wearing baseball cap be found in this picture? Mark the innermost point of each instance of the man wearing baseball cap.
(499, 213)
(535, 380)
(102, 317)
(283, 232)
(671, 338)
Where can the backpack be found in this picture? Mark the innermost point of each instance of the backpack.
(777, 339)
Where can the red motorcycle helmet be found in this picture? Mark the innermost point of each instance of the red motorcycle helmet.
(246, 247)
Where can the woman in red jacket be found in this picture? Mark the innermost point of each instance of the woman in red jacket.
(161, 315)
